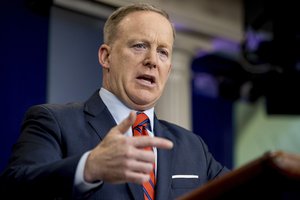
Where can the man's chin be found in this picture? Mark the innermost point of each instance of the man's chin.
(142, 104)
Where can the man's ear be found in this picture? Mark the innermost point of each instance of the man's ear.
(103, 55)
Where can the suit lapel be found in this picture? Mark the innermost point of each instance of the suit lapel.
(164, 159)
(98, 116)
(136, 191)
(100, 119)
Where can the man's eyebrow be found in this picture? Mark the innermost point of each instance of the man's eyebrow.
(136, 40)
(165, 46)
(148, 43)
(131, 41)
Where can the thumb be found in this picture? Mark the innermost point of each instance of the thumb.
(126, 123)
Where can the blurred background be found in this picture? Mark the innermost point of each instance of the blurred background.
(235, 78)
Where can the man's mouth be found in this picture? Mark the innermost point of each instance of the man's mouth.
(147, 78)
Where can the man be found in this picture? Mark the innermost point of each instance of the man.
(87, 150)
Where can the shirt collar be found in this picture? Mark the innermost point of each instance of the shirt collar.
(120, 111)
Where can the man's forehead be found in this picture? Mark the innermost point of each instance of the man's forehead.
(145, 22)
(140, 16)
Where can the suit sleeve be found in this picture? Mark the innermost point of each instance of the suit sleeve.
(214, 168)
(38, 168)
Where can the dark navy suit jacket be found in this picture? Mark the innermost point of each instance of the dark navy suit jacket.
(54, 137)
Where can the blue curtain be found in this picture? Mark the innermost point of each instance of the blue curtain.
(24, 40)
(214, 90)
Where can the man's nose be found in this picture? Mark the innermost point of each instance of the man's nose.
(151, 59)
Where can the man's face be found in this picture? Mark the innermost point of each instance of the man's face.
(139, 60)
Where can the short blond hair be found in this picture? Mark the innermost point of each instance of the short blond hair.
(111, 24)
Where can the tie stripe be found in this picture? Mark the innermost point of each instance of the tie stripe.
(139, 128)
(151, 183)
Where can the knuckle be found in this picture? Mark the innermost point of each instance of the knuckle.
(128, 153)
(126, 164)
(126, 175)
(150, 156)
(148, 168)
(153, 141)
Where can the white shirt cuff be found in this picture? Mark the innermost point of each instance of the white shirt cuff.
(81, 186)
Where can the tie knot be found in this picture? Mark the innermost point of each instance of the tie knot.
(142, 120)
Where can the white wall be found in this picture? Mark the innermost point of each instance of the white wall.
(257, 132)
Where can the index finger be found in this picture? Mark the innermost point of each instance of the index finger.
(147, 141)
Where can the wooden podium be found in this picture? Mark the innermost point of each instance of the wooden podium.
(275, 175)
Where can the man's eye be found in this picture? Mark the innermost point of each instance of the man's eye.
(140, 45)
(164, 52)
